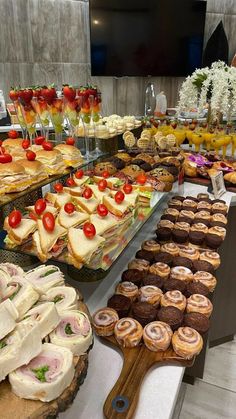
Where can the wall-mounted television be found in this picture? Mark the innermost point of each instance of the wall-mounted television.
(146, 37)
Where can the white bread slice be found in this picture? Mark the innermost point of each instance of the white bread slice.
(48, 239)
(87, 205)
(8, 315)
(145, 188)
(43, 257)
(49, 208)
(111, 181)
(81, 181)
(71, 220)
(117, 209)
(99, 194)
(22, 231)
(58, 199)
(103, 224)
(82, 248)
(74, 191)
(132, 197)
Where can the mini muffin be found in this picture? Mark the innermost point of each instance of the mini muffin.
(219, 218)
(166, 223)
(182, 226)
(212, 257)
(133, 275)
(146, 167)
(164, 257)
(182, 273)
(151, 246)
(104, 166)
(133, 171)
(205, 278)
(189, 252)
(182, 261)
(204, 206)
(160, 269)
(150, 294)
(220, 231)
(163, 234)
(140, 264)
(213, 240)
(144, 313)
(146, 158)
(124, 156)
(162, 174)
(168, 217)
(145, 254)
(118, 163)
(203, 265)
(176, 204)
(197, 321)
(152, 279)
(198, 303)
(179, 236)
(196, 237)
(121, 304)
(172, 211)
(199, 227)
(186, 214)
(174, 298)
(196, 288)
(171, 315)
(171, 248)
(128, 289)
(172, 284)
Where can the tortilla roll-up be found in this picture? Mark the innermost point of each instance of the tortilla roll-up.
(45, 277)
(22, 294)
(65, 298)
(46, 316)
(8, 317)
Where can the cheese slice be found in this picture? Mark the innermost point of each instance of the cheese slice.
(46, 316)
(45, 277)
(30, 382)
(8, 316)
(71, 220)
(87, 205)
(22, 294)
(64, 298)
(19, 347)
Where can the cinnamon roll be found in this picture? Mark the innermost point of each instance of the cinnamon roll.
(205, 278)
(220, 208)
(220, 218)
(187, 342)
(172, 211)
(219, 231)
(157, 336)
(211, 257)
(160, 269)
(140, 264)
(180, 225)
(150, 294)
(151, 246)
(204, 206)
(189, 252)
(174, 298)
(128, 332)
(189, 205)
(175, 203)
(199, 227)
(171, 248)
(166, 224)
(104, 321)
(182, 273)
(204, 215)
(199, 304)
(186, 214)
(128, 289)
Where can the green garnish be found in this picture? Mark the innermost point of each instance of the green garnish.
(2, 344)
(40, 373)
(15, 293)
(89, 181)
(68, 329)
(118, 183)
(26, 317)
(58, 298)
(51, 271)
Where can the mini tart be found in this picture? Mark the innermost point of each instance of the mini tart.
(104, 321)
(205, 278)
(165, 223)
(198, 303)
(219, 218)
(160, 269)
(187, 342)
(157, 336)
(197, 321)
(199, 227)
(121, 304)
(172, 211)
(139, 264)
(204, 206)
(151, 246)
(182, 273)
(128, 289)
(163, 234)
(180, 225)
(128, 332)
(189, 252)
(213, 241)
(171, 248)
(150, 294)
(174, 298)
(220, 208)
(212, 257)
(175, 203)
(179, 236)
(219, 231)
(133, 275)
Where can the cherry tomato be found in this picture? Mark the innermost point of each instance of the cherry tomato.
(69, 208)
(79, 174)
(39, 140)
(70, 181)
(127, 188)
(40, 206)
(70, 141)
(58, 187)
(48, 221)
(25, 143)
(87, 193)
(14, 218)
(102, 185)
(141, 179)
(105, 174)
(13, 134)
(119, 197)
(5, 158)
(33, 216)
(89, 230)
(30, 155)
(102, 210)
(47, 146)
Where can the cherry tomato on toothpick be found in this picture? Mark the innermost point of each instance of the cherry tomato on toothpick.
(69, 208)
(70, 181)
(48, 221)
(25, 143)
(30, 155)
(79, 174)
(87, 193)
(13, 134)
(105, 174)
(70, 141)
(5, 158)
(119, 197)
(127, 188)
(58, 187)
(89, 230)
(102, 185)
(39, 140)
(141, 179)
(40, 206)
(14, 218)
(47, 146)
(102, 210)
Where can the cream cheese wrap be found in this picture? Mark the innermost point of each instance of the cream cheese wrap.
(22, 294)
(12, 269)
(65, 298)
(73, 332)
(46, 316)
(19, 347)
(4, 279)
(8, 317)
(46, 376)
(45, 277)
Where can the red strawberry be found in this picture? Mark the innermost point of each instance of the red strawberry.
(37, 92)
(13, 94)
(69, 93)
(49, 93)
(26, 95)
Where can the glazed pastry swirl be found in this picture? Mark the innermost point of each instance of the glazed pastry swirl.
(202, 205)
(140, 264)
(180, 225)
(175, 202)
(171, 248)
(187, 342)
(199, 227)
(174, 298)
(205, 215)
(219, 218)
(128, 332)
(151, 246)
(189, 252)
(104, 321)
(200, 304)
(182, 273)
(128, 289)
(220, 231)
(150, 294)
(188, 214)
(212, 257)
(219, 206)
(166, 223)
(161, 269)
(205, 278)
(189, 203)
(172, 211)
(157, 336)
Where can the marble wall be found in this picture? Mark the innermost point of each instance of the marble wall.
(45, 41)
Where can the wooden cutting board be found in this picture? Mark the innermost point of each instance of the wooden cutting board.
(122, 401)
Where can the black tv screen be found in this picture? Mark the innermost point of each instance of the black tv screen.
(146, 37)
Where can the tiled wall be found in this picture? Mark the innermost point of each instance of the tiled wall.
(44, 41)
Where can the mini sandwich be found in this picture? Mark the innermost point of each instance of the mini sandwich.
(121, 210)
(13, 146)
(132, 198)
(49, 208)
(13, 178)
(86, 205)
(71, 155)
(49, 244)
(81, 181)
(35, 169)
(99, 195)
(20, 234)
(71, 220)
(82, 250)
(53, 161)
(58, 199)
(112, 182)
(106, 227)
(73, 190)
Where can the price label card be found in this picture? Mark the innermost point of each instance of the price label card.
(218, 185)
